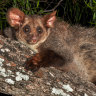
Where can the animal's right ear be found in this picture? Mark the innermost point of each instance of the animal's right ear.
(49, 19)
(15, 17)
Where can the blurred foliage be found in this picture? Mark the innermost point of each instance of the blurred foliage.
(3, 9)
(27, 6)
(73, 11)
(76, 11)
(92, 5)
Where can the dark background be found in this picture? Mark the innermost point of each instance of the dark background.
(73, 11)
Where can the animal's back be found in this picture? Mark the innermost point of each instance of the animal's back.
(76, 43)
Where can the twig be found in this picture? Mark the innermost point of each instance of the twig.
(54, 7)
(49, 4)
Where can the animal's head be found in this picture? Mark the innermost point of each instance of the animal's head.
(31, 29)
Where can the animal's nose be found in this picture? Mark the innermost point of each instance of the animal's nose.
(33, 36)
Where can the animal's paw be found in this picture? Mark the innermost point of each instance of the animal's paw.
(36, 59)
(33, 63)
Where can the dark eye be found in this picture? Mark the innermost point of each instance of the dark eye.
(26, 29)
(39, 29)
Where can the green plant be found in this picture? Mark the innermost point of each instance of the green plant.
(3, 9)
(92, 5)
(27, 6)
(74, 11)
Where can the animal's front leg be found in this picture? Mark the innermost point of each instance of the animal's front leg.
(46, 58)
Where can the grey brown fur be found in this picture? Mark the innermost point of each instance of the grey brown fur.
(75, 45)
(78, 45)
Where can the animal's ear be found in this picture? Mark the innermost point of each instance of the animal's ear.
(15, 17)
(50, 19)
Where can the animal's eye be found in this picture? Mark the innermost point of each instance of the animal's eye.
(26, 29)
(39, 29)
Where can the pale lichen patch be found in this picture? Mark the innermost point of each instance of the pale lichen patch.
(5, 73)
(5, 50)
(2, 72)
(85, 94)
(1, 64)
(2, 50)
(1, 60)
(10, 81)
(48, 83)
(67, 88)
(9, 72)
(51, 74)
(8, 64)
(21, 76)
(60, 92)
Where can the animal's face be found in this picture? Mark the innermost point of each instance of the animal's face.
(31, 29)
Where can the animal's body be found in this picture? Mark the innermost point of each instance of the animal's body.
(56, 43)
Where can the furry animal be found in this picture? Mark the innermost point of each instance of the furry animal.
(56, 43)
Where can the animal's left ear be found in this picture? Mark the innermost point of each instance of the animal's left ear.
(15, 17)
(49, 19)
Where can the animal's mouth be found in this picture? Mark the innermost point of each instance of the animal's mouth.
(34, 41)
(31, 39)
